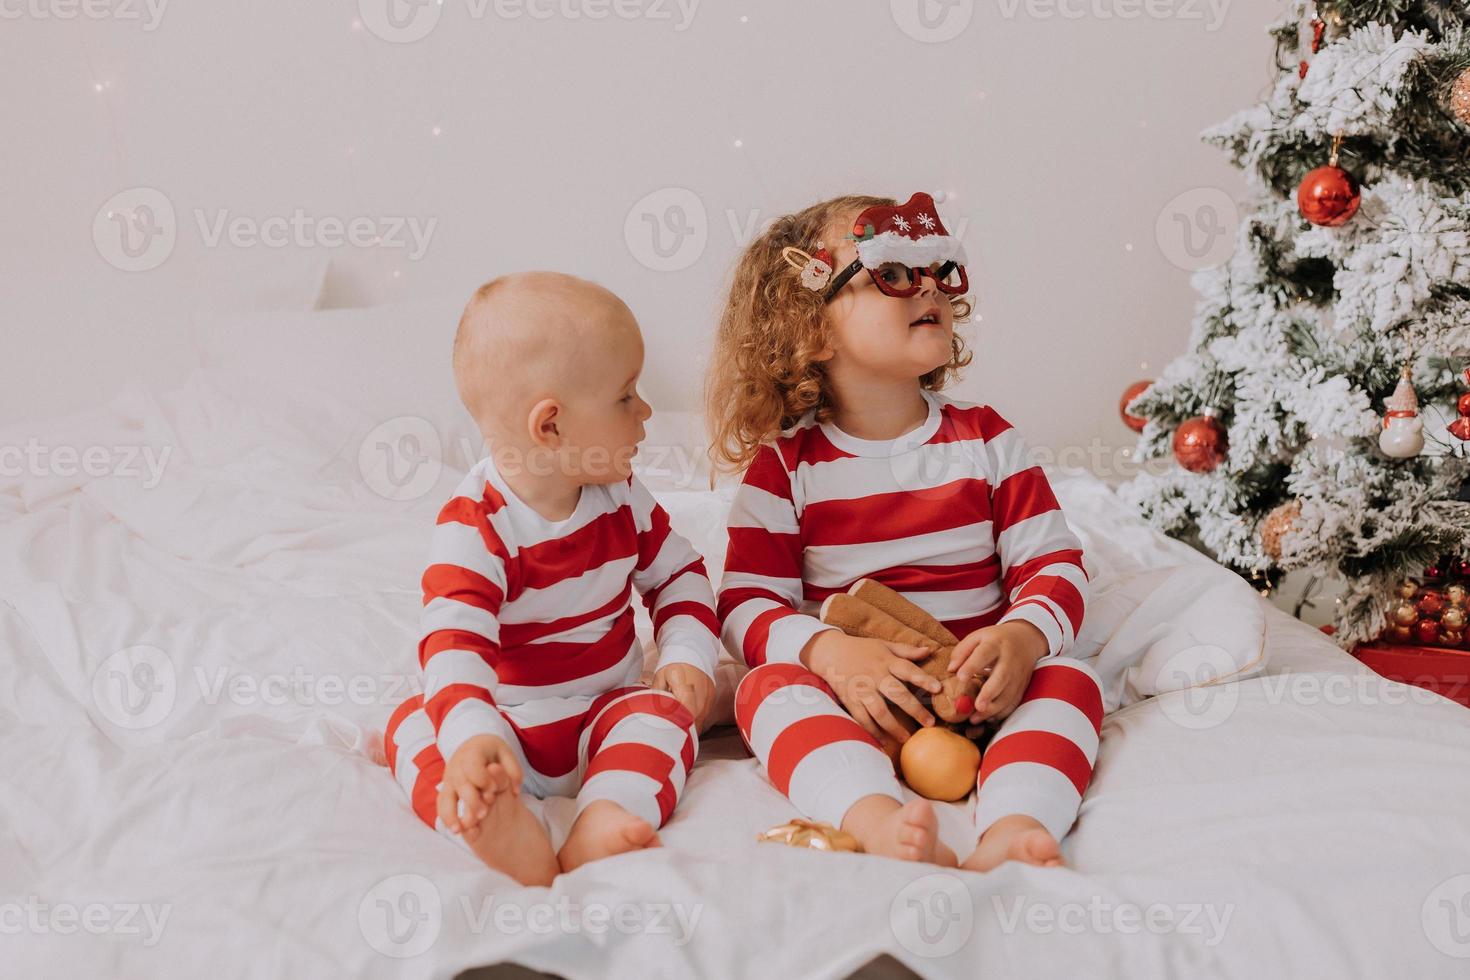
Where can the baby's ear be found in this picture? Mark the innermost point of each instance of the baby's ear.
(542, 424)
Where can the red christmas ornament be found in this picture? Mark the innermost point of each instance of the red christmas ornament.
(1463, 405)
(1432, 573)
(1329, 196)
(1427, 631)
(1462, 569)
(1460, 427)
(1134, 422)
(1431, 604)
(1200, 443)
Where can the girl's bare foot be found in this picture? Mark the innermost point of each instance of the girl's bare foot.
(1015, 838)
(907, 831)
(602, 830)
(509, 837)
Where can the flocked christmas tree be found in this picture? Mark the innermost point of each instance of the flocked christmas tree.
(1312, 423)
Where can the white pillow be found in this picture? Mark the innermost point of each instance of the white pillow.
(1171, 629)
(388, 364)
(266, 279)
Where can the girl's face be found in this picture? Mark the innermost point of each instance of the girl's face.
(886, 336)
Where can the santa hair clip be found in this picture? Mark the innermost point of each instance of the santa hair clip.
(815, 268)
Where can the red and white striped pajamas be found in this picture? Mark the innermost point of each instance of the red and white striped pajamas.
(528, 634)
(953, 517)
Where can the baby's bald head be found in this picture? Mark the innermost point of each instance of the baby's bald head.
(534, 335)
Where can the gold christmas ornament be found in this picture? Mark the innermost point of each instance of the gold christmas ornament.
(1399, 634)
(1277, 525)
(1453, 618)
(1460, 97)
(812, 834)
(1452, 638)
(1408, 590)
(1454, 594)
(1405, 615)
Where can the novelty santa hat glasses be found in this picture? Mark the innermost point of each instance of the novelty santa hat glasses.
(898, 245)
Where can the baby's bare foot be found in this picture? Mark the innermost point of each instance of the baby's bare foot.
(1015, 838)
(602, 830)
(909, 831)
(509, 838)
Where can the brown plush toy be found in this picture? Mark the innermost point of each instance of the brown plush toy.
(872, 609)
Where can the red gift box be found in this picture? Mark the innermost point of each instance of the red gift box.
(1442, 670)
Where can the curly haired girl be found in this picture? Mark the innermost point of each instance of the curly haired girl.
(835, 342)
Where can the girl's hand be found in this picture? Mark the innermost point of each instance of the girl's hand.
(870, 675)
(1008, 653)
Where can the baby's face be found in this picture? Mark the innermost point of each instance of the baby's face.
(603, 413)
(887, 335)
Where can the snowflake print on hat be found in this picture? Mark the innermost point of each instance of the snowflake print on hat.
(908, 233)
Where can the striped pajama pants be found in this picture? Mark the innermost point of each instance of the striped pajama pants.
(1038, 764)
(633, 746)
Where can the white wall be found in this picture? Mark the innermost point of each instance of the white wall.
(1060, 138)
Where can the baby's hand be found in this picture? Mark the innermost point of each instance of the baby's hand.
(690, 685)
(1008, 653)
(470, 782)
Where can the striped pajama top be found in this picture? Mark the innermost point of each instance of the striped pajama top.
(952, 515)
(519, 610)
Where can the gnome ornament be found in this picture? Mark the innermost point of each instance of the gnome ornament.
(1403, 430)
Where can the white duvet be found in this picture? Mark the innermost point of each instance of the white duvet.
(207, 611)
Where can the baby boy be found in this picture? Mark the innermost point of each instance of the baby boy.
(531, 666)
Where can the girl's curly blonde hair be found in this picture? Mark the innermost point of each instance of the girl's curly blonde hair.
(764, 374)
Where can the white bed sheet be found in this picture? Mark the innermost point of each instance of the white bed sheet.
(1308, 822)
